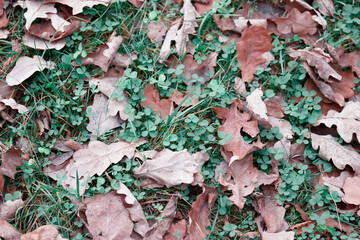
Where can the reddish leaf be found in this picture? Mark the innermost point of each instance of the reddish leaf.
(254, 42)
(201, 8)
(164, 106)
(179, 227)
(7, 231)
(351, 60)
(77, 7)
(10, 160)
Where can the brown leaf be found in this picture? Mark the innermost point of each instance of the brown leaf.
(6, 91)
(164, 106)
(257, 106)
(77, 7)
(200, 212)
(42, 44)
(123, 61)
(201, 8)
(137, 3)
(25, 67)
(319, 59)
(351, 60)
(8, 232)
(335, 183)
(157, 32)
(43, 232)
(352, 190)
(241, 179)
(278, 236)
(160, 228)
(240, 86)
(170, 36)
(275, 107)
(254, 42)
(10, 160)
(326, 7)
(105, 53)
(179, 227)
(9, 208)
(4, 33)
(341, 156)
(183, 99)
(173, 168)
(16, 48)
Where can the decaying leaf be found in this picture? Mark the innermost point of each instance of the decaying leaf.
(254, 42)
(14, 105)
(9, 208)
(25, 67)
(7, 231)
(77, 7)
(340, 155)
(335, 183)
(256, 105)
(347, 121)
(176, 228)
(278, 236)
(351, 60)
(352, 190)
(170, 36)
(183, 99)
(275, 107)
(105, 53)
(173, 168)
(164, 106)
(43, 232)
(10, 160)
(326, 7)
(42, 44)
(157, 32)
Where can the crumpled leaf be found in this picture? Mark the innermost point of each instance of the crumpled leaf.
(78, 6)
(105, 53)
(43, 232)
(14, 105)
(94, 159)
(340, 155)
(10, 160)
(123, 60)
(200, 212)
(352, 190)
(164, 106)
(160, 228)
(157, 32)
(275, 107)
(319, 59)
(254, 42)
(325, 7)
(170, 36)
(256, 105)
(25, 67)
(7, 231)
(201, 8)
(241, 178)
(173, 168)
(347, 121)
(100, 119)
(178, 98)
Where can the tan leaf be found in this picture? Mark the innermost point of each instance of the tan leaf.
(319, 59)
(137, 3)
(164, 106)
(43, 232)
(335, 183)
(14, 105)
(172, 168)
(200, 212)
(254, 42)
(105, 53)
(170, 36)
(9, 208)
(4, 34)
(240, 86)
(123, 61)
(8, 232)
(275, 107)
(183, 99)
(42, 44)
(278, 236)
(157, 32)
(100, 119)
(256, 105)
(17, 49)
(179, 227)
(201, 8)
(351, 60)
(77, 7)
(25, 67)
(326, 7)
(341, 156)
(347, 121)
(10, 160)
(352, 190)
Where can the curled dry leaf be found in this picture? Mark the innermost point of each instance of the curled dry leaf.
(341, 156)
(77, 7)
(110, 217)
(254, 42)
(257, 106)
(105, 53)
(10, 160)
(7, 231)
(123, 61)
(352, 190)
(200, 212)
(170, 36)
(173, 168)
(14, 105)
(347, 121)
(25, 67)
(164, 106)
(319, 59)
(43, 232)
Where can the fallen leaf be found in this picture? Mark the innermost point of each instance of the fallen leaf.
(10, 160)
(4, 33)
(325, 7)
(183, 99)
(100, 119)
(137, 3)
(257, 106)
(170, 36)
(14, 105)
(241, 178)
(200, 212)
(105, 53)
(42, 44)
(352, 190)
(298, 227)
(172, 168)
(164, 106)
(157, 32)
(319, 59)
(43, 232)
(275, 107)
(25, 67)
(351, 60)
(347, 122)
(240, 86)
(9, 208)
(123, 61)
(340, 155)
(178, 228)
(335, 183)
(77, 7)
(278, 236)
(254, 42)
(108, 217)
(17, 49)
(201, 8)
(7, 231)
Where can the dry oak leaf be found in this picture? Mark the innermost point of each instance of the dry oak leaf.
(326, 7)
(173, 168)
(296, 22)
(241, 179)
(100, 119)
(25, 67)
(278, 236)
(347, 121)
(8, 208)
(157, 32)
(164, 106)
(8, 232)
(199, 214)
(254, 42)
(257, 106)
(178, 228)
(352, 190)
(42, 44)
(335, 183)
(44, 232)
(170, 36)
(78, 6)
(123, 60)
(275, 107)
(201, 8)
(105, 53)
(319, 59)
(10, 160)
(95, 159)
(183, 99)
(14, 105)
(351, 60)
(341, 156)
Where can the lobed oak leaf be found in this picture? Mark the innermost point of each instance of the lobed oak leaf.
(78, 6)
(14, 105)
(164, 106)
(335, 183)
(170, 36)
(25, 67)
(340, 155)
(10, 160)
(351, 60)
(254, 42)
